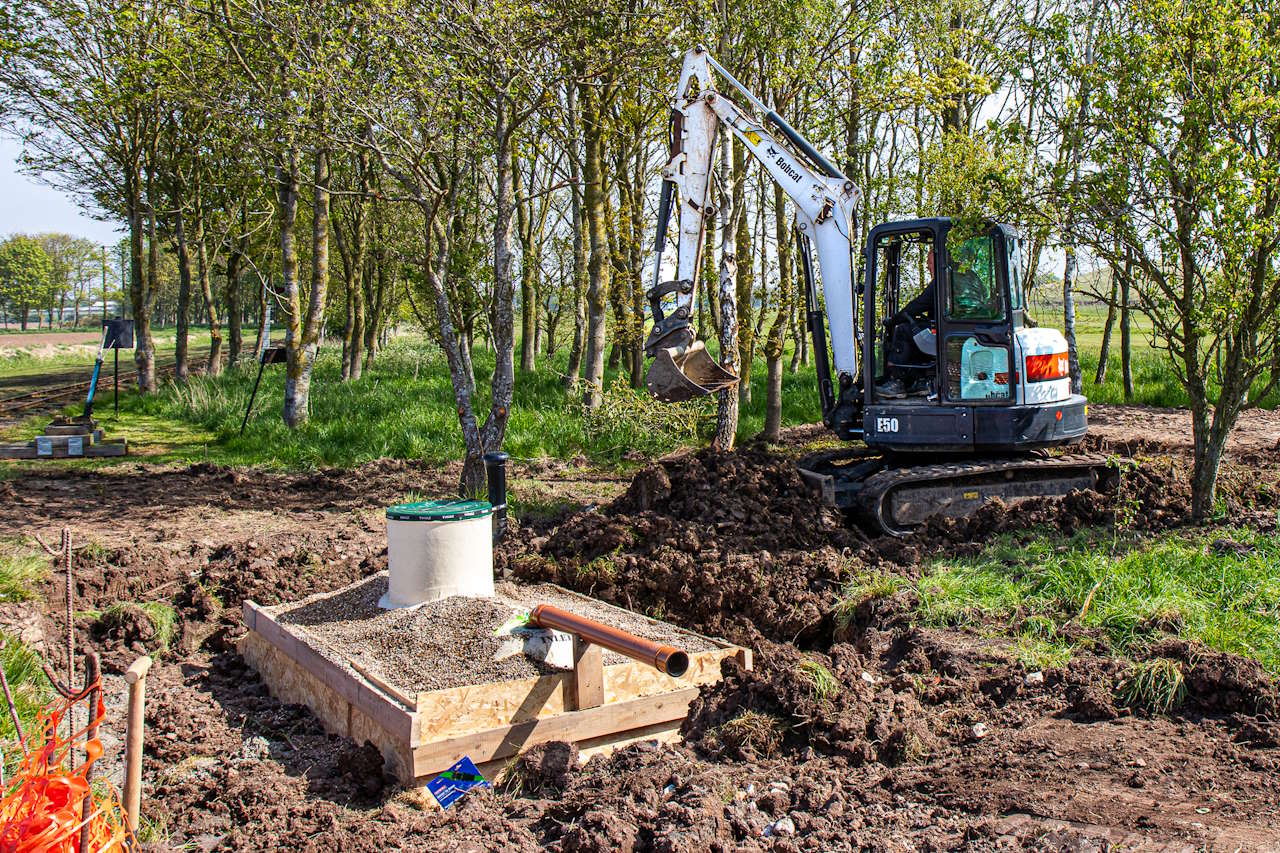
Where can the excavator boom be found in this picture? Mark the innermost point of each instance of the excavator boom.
(824, 200)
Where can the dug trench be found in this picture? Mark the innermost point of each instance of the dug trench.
(860, 728)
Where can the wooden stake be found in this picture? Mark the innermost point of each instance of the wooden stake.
(588, 674)
(136, 677)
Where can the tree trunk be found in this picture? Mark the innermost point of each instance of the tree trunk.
(213, 364)
(376, 323)
(528, 263)
(235, 310)
(579, 243)
(776, 340)
(1069, 319)
(144, 353)
(1104, 353)
(264, 318)
(181, 368)
(502, 386)
(598, 266)
(347, 321)
(1126, 340)
(727, 405)
(287, 215)
(635, 250)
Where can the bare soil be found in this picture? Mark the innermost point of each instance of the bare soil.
(924, 739)
(47, 339)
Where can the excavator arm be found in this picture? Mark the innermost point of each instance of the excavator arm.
(825, 209)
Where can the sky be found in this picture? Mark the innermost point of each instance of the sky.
(31, 207)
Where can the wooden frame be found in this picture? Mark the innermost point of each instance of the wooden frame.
(594, 706)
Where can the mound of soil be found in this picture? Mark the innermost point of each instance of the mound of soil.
(1220, 682)
(732, 545)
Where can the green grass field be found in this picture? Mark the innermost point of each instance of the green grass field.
(404, 408)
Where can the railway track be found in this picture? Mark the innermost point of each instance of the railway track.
(56, 396)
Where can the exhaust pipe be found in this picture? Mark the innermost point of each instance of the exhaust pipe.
(668, 659)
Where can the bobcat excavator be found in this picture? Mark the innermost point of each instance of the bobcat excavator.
(953, 395)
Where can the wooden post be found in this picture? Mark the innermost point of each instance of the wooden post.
(136, 677)
(588, 674)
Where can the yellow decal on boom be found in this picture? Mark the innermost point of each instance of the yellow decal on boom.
(971, 496)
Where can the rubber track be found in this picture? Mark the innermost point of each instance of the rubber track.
(876, 488)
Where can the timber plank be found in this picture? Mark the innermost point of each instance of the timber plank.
(506, 741)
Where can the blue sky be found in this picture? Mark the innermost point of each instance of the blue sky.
(31, 207)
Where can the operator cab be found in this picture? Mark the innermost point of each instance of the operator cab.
(948, 363)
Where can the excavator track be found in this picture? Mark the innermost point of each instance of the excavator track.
(898, 498)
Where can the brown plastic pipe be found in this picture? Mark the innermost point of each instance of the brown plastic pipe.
(668, 659)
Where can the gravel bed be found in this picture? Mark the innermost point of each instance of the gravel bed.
(451, 642)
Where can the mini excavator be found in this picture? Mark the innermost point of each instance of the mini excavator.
(931, 365)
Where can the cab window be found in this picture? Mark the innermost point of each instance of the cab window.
(975, 294)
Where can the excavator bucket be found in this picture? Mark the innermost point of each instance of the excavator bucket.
(675, 378)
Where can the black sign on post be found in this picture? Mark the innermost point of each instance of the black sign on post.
(119, 334)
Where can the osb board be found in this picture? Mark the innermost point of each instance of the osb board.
(603, 722)
(462, 710)
(289, 682)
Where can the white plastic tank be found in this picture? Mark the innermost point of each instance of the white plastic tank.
(436, 549)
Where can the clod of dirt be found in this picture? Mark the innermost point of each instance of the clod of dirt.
(362, 767)
(600, 832)
(127, 625)
(1090, 687)
(546, 768)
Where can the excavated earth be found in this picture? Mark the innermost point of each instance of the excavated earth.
(922, 739)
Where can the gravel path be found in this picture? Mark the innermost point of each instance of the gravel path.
(451, 642)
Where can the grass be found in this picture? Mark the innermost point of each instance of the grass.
(1156, 685)
(751, 732)
(30, 693)
(822, 684)
(21, 568)
(404, 408)
(1173, 583)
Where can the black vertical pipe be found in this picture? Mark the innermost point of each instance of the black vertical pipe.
(262, 363)
(495, 466)
(116, 392)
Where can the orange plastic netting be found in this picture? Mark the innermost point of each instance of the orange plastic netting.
(43, 805)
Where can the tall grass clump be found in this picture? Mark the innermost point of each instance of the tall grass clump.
(21, 569)
(30, 693)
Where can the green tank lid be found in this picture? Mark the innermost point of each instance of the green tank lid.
(441, 510)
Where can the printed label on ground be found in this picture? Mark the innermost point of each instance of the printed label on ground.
(454, 783)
